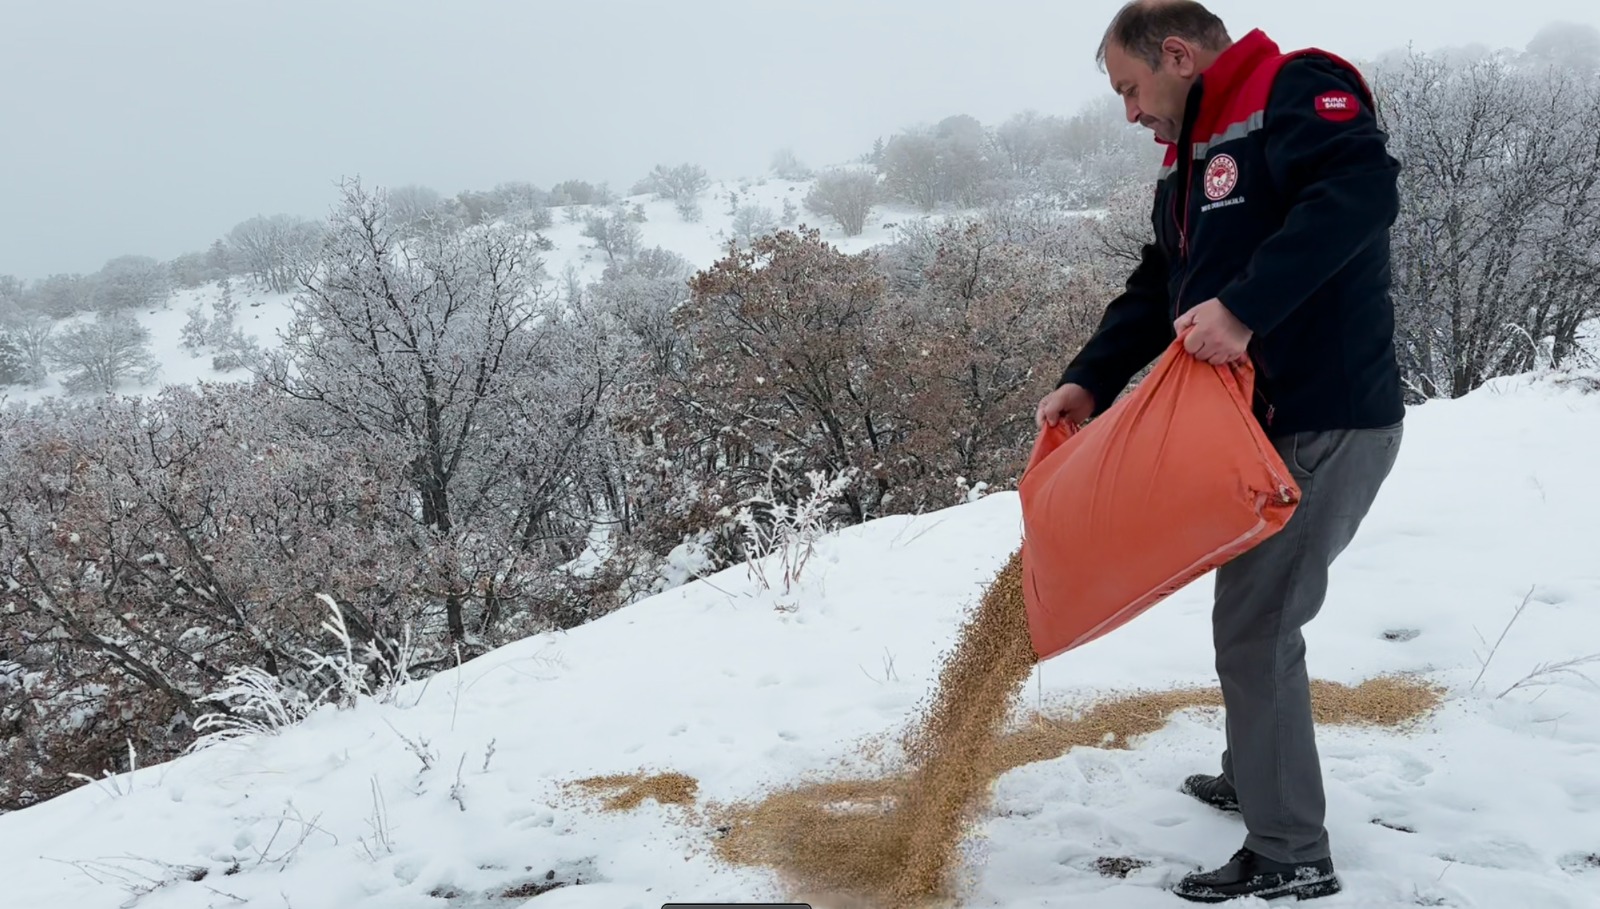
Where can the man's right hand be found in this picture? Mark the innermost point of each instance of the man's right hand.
(1070, 402)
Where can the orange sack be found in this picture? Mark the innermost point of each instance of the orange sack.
(1173, 480)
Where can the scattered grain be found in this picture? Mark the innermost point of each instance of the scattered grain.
(630, 790)
(892, 841)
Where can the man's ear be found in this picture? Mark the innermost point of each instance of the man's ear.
(1180, 55)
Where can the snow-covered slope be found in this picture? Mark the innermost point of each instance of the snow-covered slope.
(262, 315)
(745, 689)
(705, 240)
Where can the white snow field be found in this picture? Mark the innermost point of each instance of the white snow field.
(745, 689)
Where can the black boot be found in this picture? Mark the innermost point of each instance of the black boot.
(1213, 790)
(1249, 874)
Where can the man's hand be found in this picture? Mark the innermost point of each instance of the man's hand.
(1217, 337)
(1072, 403)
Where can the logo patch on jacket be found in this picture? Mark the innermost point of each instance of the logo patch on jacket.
(1337, 106)
(1222, 175)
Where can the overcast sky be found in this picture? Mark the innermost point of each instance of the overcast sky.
(153, 127)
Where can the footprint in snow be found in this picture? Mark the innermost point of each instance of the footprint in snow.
(1412, 770)
(1551, 596)
(535, 819)
(1581, 863)
(1497, 853)
(1098, 770)
(1584, 796)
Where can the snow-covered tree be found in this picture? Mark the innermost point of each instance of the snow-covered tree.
(59, 296)
(751, 221)
(193, 269)
(225, 321)
(642, 295)
(1572, 45)
(676, 184)
(151, 545)
(782, 341)
(786, 165)
(418, 209)
(196, 331)
(13, 364)
(845, 195)
(131, 282)
(276, 251)
(32, 333)
(99, 356)
(580, 192)
(446, 357)
(1497, 246)
(614, 234)
(986, 335)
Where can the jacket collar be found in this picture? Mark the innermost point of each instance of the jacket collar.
(1233, 66)
(1218, 83)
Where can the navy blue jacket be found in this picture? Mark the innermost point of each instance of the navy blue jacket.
(1277, 199)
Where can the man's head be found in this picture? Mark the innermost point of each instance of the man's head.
(1153, 51)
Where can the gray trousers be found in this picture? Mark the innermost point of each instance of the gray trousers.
(1263, 599)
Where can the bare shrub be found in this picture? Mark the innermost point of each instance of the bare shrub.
(846, 196)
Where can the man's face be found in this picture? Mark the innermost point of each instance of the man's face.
(1153, 98)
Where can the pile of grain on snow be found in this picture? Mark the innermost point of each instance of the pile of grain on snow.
(628, 791)
(1383, 701)
(893, 841)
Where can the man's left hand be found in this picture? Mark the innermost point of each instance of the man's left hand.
(1215, 335)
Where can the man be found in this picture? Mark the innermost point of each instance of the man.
(1271, 223)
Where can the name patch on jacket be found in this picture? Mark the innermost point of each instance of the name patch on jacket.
(1338, 106)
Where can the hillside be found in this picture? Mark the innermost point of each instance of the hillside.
(460, 794)
(263, 314)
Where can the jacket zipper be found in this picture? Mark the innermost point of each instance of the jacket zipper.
(1186, 151)
(1186, 154)
(1183, 250)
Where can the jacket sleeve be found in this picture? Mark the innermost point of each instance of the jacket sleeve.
(1134, 330)
(1340, 185)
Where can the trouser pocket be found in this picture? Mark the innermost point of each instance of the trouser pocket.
(1310, 452)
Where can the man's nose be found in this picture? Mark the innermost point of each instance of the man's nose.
(1131, 110)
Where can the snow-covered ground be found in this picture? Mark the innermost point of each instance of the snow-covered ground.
(261, 315)
(746, 689)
